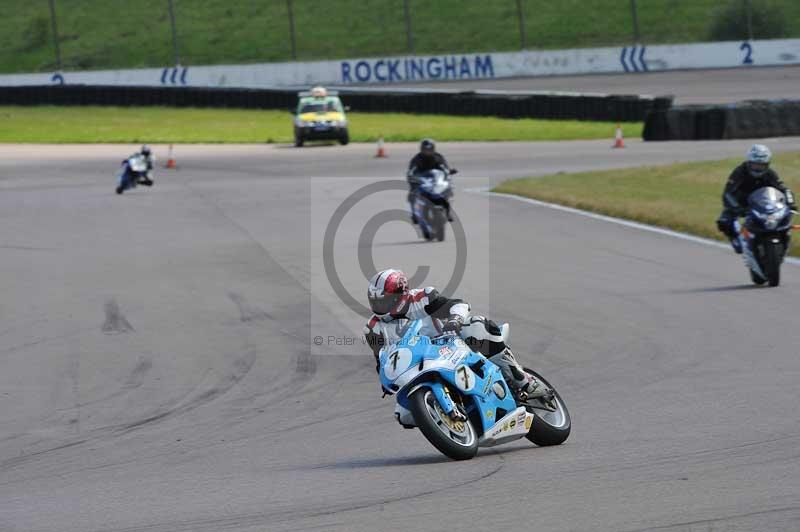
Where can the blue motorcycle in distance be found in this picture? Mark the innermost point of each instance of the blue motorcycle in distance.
(134, 171)
(765, 235)
(431, 202)
(458, 398)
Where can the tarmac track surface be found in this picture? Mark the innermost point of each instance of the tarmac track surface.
(159, 374)
(688, 86)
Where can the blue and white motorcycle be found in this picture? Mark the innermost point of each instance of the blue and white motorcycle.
(134, 171)
(432, 202)
(765, 234)
(458, 398)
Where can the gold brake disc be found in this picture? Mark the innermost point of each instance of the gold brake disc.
(457, 426)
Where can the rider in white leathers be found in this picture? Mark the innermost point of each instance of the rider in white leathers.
(393, 303)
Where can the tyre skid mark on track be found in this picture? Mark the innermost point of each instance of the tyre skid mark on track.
(58, 337)
(241, 367)
(259, 519)
(717, 519)
(135, 379)
(666, 459)
(305, 364)
(26, 248)
(12, 462)
(247, 312)
(328, 419)
(115, 321)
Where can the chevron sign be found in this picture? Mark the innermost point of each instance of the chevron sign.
(172, 75)
(632, 58)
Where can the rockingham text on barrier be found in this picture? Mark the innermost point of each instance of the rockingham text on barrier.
(416, 69)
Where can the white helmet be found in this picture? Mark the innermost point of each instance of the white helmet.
(318, 92)
(758, 159)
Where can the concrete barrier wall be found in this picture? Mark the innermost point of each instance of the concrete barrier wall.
(406, 69)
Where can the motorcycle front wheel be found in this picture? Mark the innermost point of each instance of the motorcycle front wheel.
(773, 255)
(440, 223)
(552, 423)
(455, 439)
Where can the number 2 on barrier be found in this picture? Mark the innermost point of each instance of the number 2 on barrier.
(747, 48)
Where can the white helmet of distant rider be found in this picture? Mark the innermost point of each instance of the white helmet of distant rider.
(758, 159)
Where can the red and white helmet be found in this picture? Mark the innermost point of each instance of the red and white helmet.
(386, 290)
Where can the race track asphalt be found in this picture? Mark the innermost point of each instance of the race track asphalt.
(688, 86)
(159, 371)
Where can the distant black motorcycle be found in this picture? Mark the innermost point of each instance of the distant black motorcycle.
(134, 171)
(765, 234)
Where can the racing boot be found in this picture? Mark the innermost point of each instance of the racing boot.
(523, 385)
(413, 216)
(736, 244)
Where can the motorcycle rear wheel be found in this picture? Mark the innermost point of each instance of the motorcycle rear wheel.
(456, 440)
(549, 428)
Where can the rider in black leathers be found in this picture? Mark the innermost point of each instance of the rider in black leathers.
(749, 176)
(426, 160)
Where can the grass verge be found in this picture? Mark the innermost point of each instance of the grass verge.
(685, 197)
(99, 34)
(49, 124)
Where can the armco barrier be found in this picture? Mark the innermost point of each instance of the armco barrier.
(477, 103)
(750, 119)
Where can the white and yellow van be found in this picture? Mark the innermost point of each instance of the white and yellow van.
(320, 116)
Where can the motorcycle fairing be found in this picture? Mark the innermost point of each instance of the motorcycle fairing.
(512, 426)
(415, 360)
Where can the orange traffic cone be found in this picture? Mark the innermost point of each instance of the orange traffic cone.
(171, 159)
(619, 142)
(381, 150)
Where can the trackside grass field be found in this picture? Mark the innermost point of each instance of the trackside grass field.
(685, 197)
(48, 124)
(99, 34)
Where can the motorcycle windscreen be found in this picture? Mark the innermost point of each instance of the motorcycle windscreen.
(767, 199)
(137, 164)
(435, 182)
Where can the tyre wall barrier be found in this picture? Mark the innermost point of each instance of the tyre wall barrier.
(623, 108)
(749, 119)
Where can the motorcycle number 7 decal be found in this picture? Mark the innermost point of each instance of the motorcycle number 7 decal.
(397, 363)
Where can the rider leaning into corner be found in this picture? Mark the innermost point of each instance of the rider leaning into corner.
(749, 176)
(392, 303)
(426, 160)
(150, 159)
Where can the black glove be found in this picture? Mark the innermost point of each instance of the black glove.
(453, 324)
(790, 200)
(724, 226)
